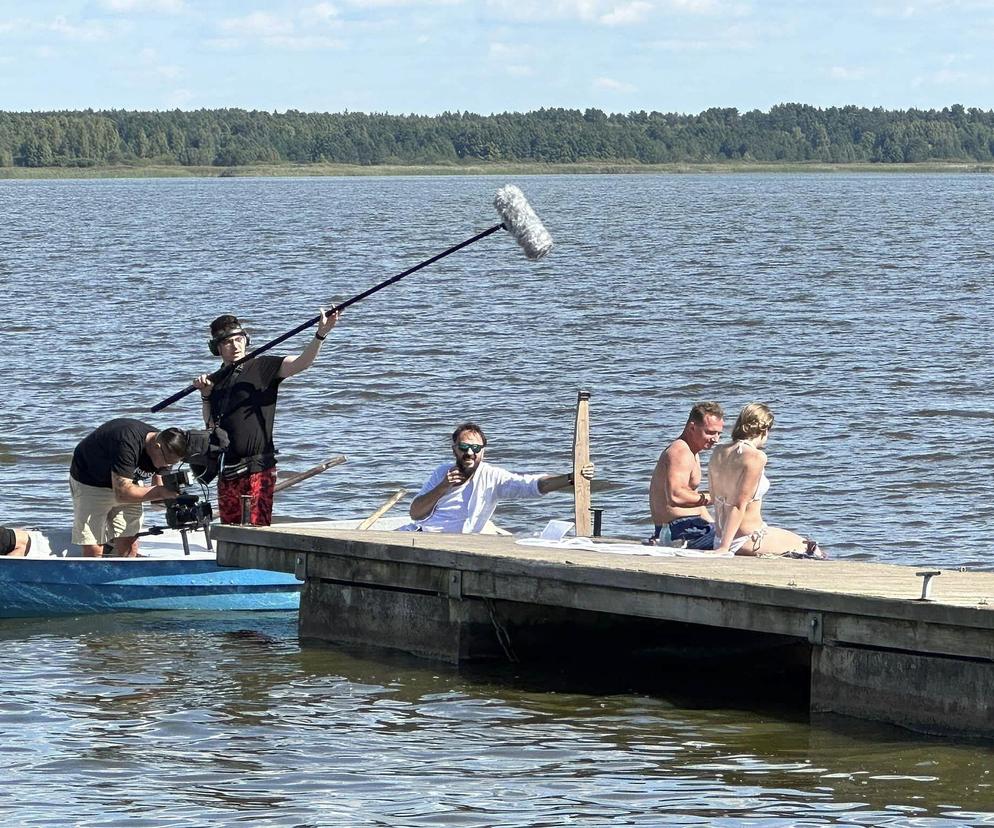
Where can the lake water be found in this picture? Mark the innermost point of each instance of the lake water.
(857, 306)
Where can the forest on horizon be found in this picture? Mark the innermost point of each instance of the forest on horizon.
(788, 133)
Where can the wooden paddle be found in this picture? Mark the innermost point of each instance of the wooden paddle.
(581, 456)
(387, 505)
(294, 479)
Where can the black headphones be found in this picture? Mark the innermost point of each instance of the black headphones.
(214, 343)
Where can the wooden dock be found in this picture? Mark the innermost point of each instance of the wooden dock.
(876, 648)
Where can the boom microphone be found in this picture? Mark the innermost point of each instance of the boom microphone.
(517, 217)
(521, 222)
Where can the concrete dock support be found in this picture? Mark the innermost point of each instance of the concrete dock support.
(930, 694)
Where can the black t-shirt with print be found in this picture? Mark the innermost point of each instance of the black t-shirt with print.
(244, 405)
(116, 447)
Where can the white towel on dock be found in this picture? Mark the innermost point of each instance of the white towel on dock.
(588, 545)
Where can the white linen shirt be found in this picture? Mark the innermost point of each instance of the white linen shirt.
(468, 507)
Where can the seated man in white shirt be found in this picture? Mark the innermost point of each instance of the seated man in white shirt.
(462, 497)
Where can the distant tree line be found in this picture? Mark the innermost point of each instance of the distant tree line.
(236, 137)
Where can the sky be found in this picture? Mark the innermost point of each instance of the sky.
(487, 56)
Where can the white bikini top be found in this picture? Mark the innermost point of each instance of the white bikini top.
(764, 482)
(762, 488)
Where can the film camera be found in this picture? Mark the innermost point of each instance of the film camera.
(187, 510)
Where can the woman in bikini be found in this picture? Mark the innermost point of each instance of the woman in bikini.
(738, 481)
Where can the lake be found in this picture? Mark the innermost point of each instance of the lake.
(856, 306)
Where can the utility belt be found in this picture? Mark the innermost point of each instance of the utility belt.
(249, 465)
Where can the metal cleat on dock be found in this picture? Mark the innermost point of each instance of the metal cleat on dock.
(928, 575)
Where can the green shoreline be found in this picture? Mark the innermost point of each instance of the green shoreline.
(584, 168)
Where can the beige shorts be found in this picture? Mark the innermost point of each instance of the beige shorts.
(98, 518)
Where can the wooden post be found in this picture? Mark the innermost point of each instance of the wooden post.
(387, 505)
(581, 456)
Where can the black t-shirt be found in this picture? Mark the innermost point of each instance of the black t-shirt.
(116, 447)
(244, 405)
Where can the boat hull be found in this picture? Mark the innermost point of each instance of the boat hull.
(43, 587)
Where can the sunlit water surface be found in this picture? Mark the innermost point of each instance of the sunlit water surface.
(225, 720)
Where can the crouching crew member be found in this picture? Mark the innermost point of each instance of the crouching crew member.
(108, 468)
(243, 403)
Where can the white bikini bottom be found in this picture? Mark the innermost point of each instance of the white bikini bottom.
(756, 538)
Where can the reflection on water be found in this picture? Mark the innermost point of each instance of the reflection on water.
(226, 718)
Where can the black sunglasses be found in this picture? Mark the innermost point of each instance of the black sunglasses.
(476, 448)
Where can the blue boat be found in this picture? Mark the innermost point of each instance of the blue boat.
(165, 579)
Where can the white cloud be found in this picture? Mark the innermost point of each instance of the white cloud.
(162, 6)
(257, 24)
(505, 51)
(918, 9)
(950, 59)
(612, 12)
(904, 10)
(626, 14)
(223, 44)
(79, 31)
(179, 98)
(740, 36)
(674, 45)
(693, 6)
(588, 11)
(149, 58)
(847, 73)
(303, 34)
(321, 13)
(393, 4)
(512, 59)
(944, 76)
(303, 43)
(611, 85)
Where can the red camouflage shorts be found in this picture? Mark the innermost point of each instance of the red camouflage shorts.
(259, 485)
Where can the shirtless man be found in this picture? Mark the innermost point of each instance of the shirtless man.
(673, 497)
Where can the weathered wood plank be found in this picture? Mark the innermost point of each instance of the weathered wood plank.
(581, 456)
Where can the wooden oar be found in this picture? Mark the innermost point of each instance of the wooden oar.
(387, 505)
(293, 480)
(581, 456)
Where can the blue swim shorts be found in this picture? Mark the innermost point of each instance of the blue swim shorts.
(697, 532)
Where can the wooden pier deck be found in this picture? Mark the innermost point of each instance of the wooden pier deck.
(877, 650)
